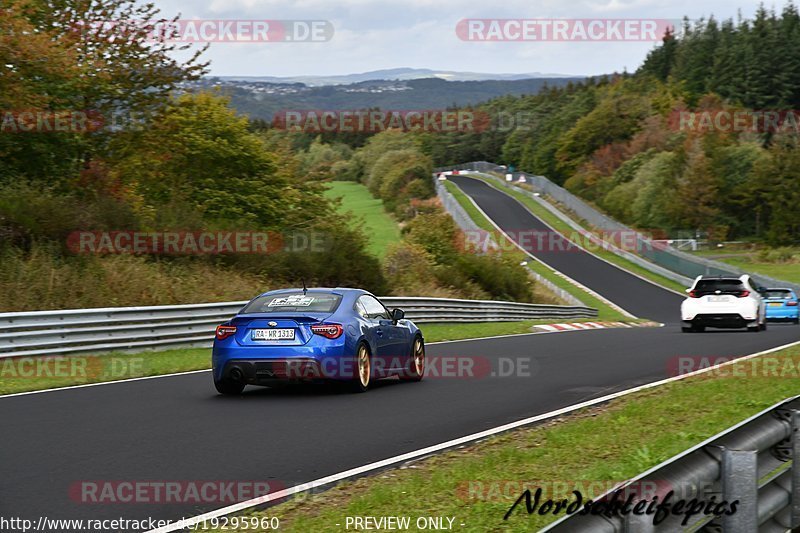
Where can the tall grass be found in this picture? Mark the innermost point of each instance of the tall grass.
(40, 279)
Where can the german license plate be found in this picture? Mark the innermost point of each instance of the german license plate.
(273, 334)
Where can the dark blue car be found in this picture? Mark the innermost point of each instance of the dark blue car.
(296, 335)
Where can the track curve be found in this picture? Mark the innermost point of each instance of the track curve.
(632, 293)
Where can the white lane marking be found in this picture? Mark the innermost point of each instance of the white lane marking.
(85, 385)
(184, 523)
(174, 374)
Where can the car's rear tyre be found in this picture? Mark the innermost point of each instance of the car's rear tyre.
(796, 321)
(416, 363)
(687, 329)
(363, 370)
(754, 329)
(228, 387)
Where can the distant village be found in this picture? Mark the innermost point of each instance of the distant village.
(270, 88)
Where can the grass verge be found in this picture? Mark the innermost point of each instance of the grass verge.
(30, 374)
(605, 311)
(589, 451)
(367, 212)
(787, 271)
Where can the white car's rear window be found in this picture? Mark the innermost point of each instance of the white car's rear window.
(711, 286)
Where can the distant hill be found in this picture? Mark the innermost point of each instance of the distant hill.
(262, 99)
(392, 74)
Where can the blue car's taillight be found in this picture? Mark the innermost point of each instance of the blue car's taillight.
(223, 332)
(329, 331)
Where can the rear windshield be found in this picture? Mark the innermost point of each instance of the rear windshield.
(710, 286)
(294, 302)
(777, 293)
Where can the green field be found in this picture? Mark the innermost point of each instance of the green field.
(590, 450)
(750, 262)
(366, 212)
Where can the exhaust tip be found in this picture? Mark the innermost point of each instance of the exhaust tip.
(237, 374)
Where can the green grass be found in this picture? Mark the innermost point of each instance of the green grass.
(605, 311)
(597, 447)
(565, 229)
(788, 271)
(366, 212)
(16, 374)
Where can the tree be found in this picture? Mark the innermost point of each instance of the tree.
(100, 57)
(199, 152)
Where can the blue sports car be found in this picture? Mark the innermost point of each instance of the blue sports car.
(290, 335)
(781, 305)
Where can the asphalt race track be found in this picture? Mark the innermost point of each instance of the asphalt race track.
(642, 299)
(178, 429)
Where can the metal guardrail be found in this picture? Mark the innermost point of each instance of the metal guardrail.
(657, 257)
(141, 328)
(753, 462)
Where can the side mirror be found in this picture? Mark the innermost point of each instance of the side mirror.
(398, 315)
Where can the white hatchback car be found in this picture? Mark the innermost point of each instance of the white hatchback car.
(723, 302)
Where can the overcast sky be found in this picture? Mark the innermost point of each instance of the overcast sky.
(379, 34)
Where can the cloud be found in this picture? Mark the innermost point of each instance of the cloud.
(375, 34)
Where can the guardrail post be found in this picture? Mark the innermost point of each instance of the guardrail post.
(739, 482)
(795, 502)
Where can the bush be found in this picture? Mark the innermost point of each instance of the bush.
(437, 234)
(42, 279)
(500, 276)
(779, 255)
(412, 272)
(31, 213)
